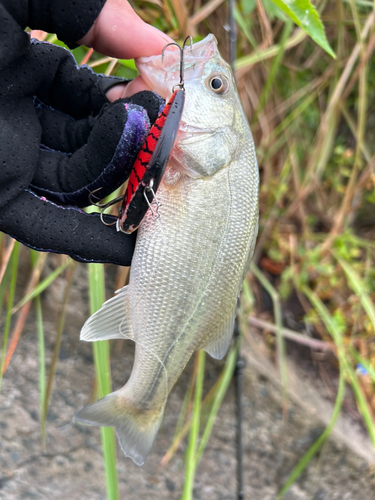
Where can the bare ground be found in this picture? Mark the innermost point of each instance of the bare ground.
(71, 466)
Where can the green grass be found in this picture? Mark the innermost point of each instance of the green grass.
(191, 451)
(40, 287)
(103, 376)
(218, 396)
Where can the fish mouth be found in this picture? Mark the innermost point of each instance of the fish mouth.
(190, 133)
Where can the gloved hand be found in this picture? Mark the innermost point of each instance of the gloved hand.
(60, 139)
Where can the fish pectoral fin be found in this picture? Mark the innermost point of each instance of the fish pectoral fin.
(135, 429)
(218, 347)
(111, 321)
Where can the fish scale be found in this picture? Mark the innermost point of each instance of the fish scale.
(231, 259)
(189, 264)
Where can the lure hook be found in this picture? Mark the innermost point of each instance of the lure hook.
(154, 205)
(182, 68)
(91, 200)
(104, 206)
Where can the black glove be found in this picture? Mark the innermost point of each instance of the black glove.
(59, 140)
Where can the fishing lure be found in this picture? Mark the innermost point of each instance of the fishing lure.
(150, 165)
(152, 160)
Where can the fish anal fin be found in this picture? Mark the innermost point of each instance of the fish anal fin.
(111, 321)
(136, 430)
(218, 347)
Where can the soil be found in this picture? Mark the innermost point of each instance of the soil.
(71, 465)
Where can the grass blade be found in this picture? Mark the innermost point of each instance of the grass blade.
(358, 288)
(337, 337)
(343, 359)
(191, 462)
(128, 63)
(281, 353)
(103, 375)
(274, 70)
(180, 435)
(41, 286)
(56, 348)
(186, 406)
(207, 9)
(220, 393)
(12, 289)
(4, 285)
(314, 448)
(41, 351)
(362, 403)
(245, 62)
(42, 360)
(21, 320)
(6, 256)
(241, 21)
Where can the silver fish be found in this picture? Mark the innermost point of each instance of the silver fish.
(189, 265)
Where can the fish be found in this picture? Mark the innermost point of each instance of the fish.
(190, 262)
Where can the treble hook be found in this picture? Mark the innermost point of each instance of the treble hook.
(154, 203)
(188, 38)
(104, 206)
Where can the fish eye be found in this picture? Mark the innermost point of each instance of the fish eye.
(219, 84)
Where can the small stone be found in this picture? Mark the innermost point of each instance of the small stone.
(169, 484)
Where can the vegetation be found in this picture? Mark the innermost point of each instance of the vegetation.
(312, 123)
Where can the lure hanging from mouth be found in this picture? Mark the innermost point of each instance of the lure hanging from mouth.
(151, 162)
(150, 166)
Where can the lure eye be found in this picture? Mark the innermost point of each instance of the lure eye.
(218, 84)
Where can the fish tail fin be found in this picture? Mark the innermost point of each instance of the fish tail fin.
(136, 429)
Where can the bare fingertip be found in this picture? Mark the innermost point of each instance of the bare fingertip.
(117, 92)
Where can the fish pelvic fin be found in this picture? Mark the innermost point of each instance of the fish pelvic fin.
(111, 321)
(219, 345)
(136, 429)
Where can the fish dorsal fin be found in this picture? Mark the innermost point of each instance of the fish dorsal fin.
(111, 321)
(218, 347)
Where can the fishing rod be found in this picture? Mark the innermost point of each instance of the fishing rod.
(240, 363)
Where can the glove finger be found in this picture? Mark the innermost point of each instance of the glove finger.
(58, 82)
(104, 162)
(20, 134)
(45, 226)
(62, 133)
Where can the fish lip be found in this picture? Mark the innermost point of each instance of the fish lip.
(190, 133)
(184, 127)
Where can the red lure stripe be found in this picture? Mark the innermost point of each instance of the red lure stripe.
(144, 156)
